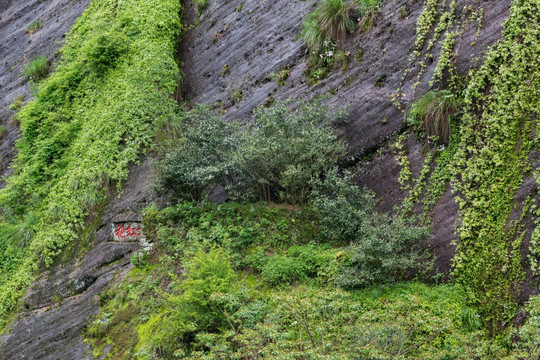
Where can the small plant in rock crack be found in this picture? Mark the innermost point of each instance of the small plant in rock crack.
(33, 27)
(330, 22)
(433, 113)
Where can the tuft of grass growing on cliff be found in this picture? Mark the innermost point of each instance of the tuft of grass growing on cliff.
(89, 120)
(37, 69)
(325, 29)
(33, 27)
(433, 112)
(329, 22)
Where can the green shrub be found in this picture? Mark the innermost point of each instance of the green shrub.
(382, 248)
(33, 27)
(282, 150)
(37, 69)
(342, 206)
(2, 131)
(203, 158)
(273, 157)
(300, 263)
(188, 309)
(434, 112)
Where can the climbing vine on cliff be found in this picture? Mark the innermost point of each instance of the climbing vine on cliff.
(488, 156)
(491, 160)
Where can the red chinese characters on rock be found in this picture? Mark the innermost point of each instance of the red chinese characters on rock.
(127, 231)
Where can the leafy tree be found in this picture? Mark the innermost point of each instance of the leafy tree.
(282, 150)
(273, 157)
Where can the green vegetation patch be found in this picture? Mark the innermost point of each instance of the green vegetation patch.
(492, 156)
(488, 155)
(37, 69)
(90, 119)
(33, 27)
(245, 281)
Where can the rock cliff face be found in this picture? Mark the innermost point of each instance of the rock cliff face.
(228, 60)
(18, 47)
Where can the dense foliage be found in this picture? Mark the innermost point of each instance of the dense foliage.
(382, 248)
(219, 285)
(273, 157)
(88, 121)
(491, 160)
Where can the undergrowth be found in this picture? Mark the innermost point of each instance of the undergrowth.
(252, 281)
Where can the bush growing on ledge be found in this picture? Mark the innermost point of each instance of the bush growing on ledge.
(202, 158)
(382, 248)
(274, 157)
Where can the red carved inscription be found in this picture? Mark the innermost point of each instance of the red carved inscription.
(131, 231)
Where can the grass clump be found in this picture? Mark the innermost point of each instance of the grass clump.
(324, 31)
(17, 104)
(37, 69)
(33, 27)
(329, 22)
(433, 113)
(2, 131)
